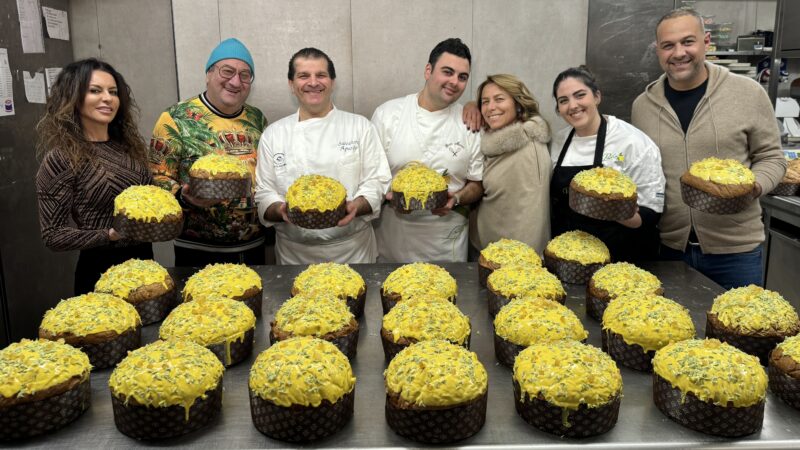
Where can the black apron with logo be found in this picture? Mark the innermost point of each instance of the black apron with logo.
(622, 242)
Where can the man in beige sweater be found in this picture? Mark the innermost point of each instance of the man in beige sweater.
(697, 110)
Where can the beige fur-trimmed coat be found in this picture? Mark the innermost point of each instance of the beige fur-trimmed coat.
(516, 183)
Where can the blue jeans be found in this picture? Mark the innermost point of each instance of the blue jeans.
(729, 270)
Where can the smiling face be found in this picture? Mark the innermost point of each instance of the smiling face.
(228, 95)
(577, 104)
(100, 104)
(681, 48)
(313, 86)
(497, 106)
(445, 82)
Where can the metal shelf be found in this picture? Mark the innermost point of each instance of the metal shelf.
(740, 53)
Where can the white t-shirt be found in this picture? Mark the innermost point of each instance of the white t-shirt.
(627, 149)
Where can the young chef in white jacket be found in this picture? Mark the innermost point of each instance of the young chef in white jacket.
(322, 140)
(427, 127)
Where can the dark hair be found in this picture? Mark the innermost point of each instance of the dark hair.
(454, 46)
(311, 53)
(681, 12)
(581, 73)
(61, 125)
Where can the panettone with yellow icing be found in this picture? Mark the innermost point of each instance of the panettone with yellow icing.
(605, 183)
(219, 167)
(755, 311)
(419, 280)
(723, 178)
(235, 281)
(418, 182)
(317, 314)
(613, 280)
(209, 322)
(315, 193)
(712, 371)
(648, 320)
(578, 247)
(32, 370)
(92, 318)
(435, 374)
(135, 281)
(508, 251)
(421, 319)
(512, 281)
(567, 374)
(166, 373)
(786, 358)
(148, 204)
(792, 175)
(303, 371)
(528, 320)
(334, 278)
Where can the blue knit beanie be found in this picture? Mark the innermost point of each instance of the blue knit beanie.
(231, 49)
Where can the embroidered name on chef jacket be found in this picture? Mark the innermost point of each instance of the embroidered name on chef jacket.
(279, 160)
(348, 146)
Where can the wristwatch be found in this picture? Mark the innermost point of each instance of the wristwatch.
(458, 200)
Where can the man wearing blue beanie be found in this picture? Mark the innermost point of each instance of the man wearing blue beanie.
(216, 121)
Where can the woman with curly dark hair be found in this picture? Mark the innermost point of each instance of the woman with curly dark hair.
(91, 150)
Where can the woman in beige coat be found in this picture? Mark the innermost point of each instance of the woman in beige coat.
(517, 167)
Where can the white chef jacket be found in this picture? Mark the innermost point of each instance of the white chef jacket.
(341, 145)
(628, 150)
(441, 141)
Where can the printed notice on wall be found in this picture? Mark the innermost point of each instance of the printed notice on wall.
(30, 26)
(57, 23)
(50, 75)
(6, 85)
(34, 87)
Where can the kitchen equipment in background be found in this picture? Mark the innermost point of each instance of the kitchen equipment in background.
(749, 43)
(786, 110)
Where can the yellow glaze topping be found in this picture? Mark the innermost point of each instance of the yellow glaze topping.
(427, 319)
(302, 371)
(713, 371)
(529, 320)
(722, 171)
(791, 347)
(167, 373)
(436, 373)
(567, 374)
(417, 181)
(517, 281)
(124, 278)
(315, 192)
(579, 246)
(752, 308)
(27, 367)
(605, 180)
(510, 251)
(89, 314)
(420, 280)
(209, 322)
(649, 320)
(214, 163)
(314, 314)
(337, 279)
(226, 280)
(147, 203)
(620, 278)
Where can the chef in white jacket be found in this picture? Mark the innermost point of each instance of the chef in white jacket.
(322, 140)
(427, 127)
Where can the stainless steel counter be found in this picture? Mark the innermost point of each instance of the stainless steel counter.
(640, 423)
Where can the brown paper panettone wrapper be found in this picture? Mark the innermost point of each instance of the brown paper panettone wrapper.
(219, 189)
(497, 301)
(240, 350)
(437, 425)
(703, 201)
(580, 423)
(157, 308)
(388, 301)
(254, 303)
(570, 271)
(632, 356)
(108, 353)
(601, 209)
(787, 189)
(356, 305)
(347, 344)
(706, 417)
(391, 349)
(24, 420)
(483, 274)
(786, 387)
(151, 423)
(595, 306)
(316, 220)
(147, 232)
(435, 200)
(759, 346)
(298, 423)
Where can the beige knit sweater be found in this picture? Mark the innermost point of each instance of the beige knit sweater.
(516, 183)
(734, 119)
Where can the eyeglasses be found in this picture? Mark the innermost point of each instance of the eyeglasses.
(228, 72)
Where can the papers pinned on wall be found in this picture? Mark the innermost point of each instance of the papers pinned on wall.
(56, 22)
(30, 26)
(6, 85)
